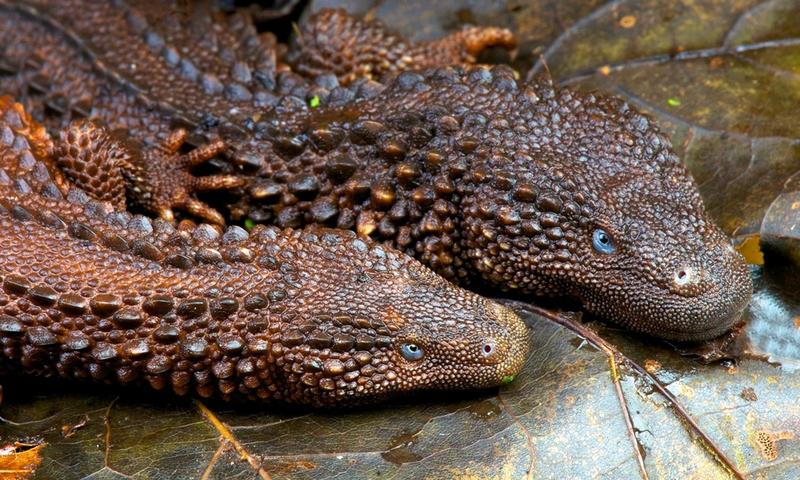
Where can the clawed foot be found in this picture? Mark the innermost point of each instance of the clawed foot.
(158, 179)
(169, 183)
(466, 45)
(332, 41)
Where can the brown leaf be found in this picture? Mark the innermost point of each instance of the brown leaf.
(19, 460)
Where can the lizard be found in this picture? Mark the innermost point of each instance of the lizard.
(316, 317)
(514, 186)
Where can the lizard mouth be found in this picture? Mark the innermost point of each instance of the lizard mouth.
(518, 353)
(708, 333)
(664, 313)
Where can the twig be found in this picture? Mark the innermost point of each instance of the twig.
(617, 357)
(626, 414)
(227, 436)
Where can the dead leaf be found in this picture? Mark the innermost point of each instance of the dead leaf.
(19, 460)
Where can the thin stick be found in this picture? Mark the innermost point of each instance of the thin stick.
(601, 344)
(637, 447)
(227, 436)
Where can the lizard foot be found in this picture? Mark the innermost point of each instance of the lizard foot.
(157, 179)
(333, 41)
(172, 184)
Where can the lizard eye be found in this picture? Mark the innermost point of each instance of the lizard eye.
(488, 349)
(411, 351)
(602, 242)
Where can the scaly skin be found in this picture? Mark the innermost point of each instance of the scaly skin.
(147, 69)
(482, 177)
(334, 42)
(316, 317)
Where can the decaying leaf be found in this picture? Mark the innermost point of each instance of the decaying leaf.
(19, 460)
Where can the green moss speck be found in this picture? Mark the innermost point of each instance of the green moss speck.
(673, 102)
(507, 379)
(314, 102)
(249, 224)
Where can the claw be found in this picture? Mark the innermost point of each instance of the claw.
(372, 51)
(157, 179)
(198, 155)
(175, 140)
(477, 39)
(218, 182)
(168, 184)
(201, 210)
(203, 153)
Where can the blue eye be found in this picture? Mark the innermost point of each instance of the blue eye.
(602, 242)
(411, 351)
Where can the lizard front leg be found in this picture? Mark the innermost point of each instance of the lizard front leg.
(157, 179)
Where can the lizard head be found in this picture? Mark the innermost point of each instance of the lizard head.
(655, 262)
(587, 199)
(384, 324)
(459, 341)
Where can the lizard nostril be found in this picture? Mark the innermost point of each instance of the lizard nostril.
(488, 349)
(684, 276)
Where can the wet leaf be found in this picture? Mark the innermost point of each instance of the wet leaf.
(780, 229)
(723, 79)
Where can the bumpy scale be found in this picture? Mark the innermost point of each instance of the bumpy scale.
(334, 42)
(319, 317)
(484, 178)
